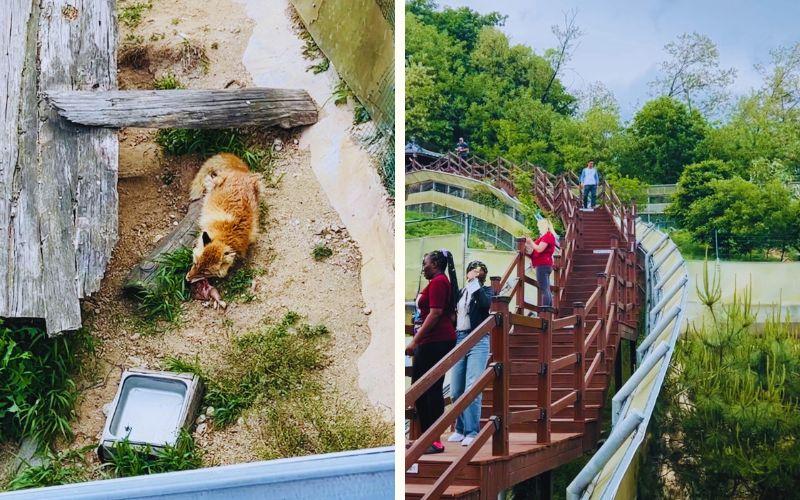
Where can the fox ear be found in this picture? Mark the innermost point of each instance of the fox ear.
(206, 238)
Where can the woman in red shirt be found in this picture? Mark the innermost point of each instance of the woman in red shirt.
(436, 336)
(541, 253)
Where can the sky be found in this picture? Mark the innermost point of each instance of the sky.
(623, 41)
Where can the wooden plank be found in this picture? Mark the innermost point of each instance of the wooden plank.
(77, 206)
(524, 416)
(223, 108)
(563, 362)
(183, 235)
(20, 254)
(526, 321)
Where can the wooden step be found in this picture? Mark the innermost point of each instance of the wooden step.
(461, 491)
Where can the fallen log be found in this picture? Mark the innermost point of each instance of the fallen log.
(212, 109)
(142, 275)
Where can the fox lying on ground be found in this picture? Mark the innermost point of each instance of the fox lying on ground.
(229, 217)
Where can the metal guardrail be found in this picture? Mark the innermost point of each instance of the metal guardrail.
(633, 405)
(361, 475)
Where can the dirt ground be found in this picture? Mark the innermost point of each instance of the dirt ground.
(153, 197)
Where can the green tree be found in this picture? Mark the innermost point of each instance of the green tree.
(727, 421)
(662, 139)
(590, 136)
(695, 184)
(746, 217)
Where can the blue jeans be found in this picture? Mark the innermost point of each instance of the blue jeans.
(464, 374)
(589, 193)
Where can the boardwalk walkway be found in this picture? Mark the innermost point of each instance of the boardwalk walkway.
(544, 389)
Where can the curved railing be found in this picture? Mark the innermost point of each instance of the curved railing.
(612, 467)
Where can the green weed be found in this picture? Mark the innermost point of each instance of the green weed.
(164, 299)
(341, 93)
(272, 362)
(321, 252)
(360, 114)
(37, 388)
(320, 67)
(57, 468)
(126, 459)
(237, 287)
(167, 82)
(131, 15)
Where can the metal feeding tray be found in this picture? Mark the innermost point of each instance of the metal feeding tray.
(150, 408)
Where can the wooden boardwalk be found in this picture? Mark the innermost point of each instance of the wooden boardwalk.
(58, 169)
(543, 406)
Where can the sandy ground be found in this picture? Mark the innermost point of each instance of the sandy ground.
(172, 38)
(274, 59)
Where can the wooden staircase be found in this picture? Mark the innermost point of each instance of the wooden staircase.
(598, 286)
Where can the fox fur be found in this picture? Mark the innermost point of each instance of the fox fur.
(229, 216)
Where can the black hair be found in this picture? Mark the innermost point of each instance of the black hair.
(443, 260)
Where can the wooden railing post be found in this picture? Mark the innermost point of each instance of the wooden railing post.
(545, 395)
(495, 283)
(520, 294)
(502, 382)
(580, 364)
(602, 281)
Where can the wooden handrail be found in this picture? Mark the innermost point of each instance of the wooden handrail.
(448, 361)
(449, 475)
(591, 337)
(565, 401)
(565, 322)
(433, 432)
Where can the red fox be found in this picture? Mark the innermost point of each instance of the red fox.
(229, 217)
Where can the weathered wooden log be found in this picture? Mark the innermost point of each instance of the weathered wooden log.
(58, 212)
(187, 108)
(184, 234)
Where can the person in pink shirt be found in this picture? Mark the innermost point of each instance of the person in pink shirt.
(541, 253)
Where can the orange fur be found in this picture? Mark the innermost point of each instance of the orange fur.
(229, 217)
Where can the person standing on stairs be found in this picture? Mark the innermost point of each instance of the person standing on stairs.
(436, 335)
(541, 254)
(590, 178)
(473, 308)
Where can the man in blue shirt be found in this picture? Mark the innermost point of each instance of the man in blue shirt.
(462, 148)
(589, 181)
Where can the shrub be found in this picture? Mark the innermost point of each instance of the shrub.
(728, 419)
(37, 386)
(485, 196)
(415, 229)
(321, 252)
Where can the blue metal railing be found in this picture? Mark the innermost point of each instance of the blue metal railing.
(352, 475)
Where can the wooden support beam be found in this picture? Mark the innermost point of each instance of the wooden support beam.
(213, 109)
(183, 235)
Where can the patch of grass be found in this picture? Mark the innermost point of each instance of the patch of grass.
(175, 21)
(417, 226)
(157, 36)
(164, 301)
(131, 15)
(128, 460)
(167, 82)
(237, 287)
(320, 67)
(37, 386)
(181, 141)
(321, 252)
(312, 422)
(57, 468)
(270, 363)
